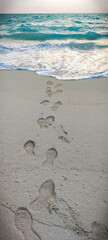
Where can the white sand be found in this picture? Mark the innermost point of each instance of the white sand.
(77, 162)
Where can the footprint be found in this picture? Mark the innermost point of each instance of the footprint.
(100, 231)
(49, 92)
(49, 82)
(58, 85)
(51, 154)
(45, 102)
(44, 123)
(49, 120)
(41, 122)
(56, 105)
(61, 213)
(23, 222)
(46, 196)
(29, 146)
(58, 91)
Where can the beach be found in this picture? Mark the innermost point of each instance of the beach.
(54, 151)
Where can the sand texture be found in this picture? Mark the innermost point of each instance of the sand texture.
(53, 158)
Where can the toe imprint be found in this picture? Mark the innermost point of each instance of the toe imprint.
(46, 193)
(51, 154)
(56, 105)
(29, 146)
(23, 222)
(45, 102)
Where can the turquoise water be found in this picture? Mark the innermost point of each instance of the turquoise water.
(65, 46)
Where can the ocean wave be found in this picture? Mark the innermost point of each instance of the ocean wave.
(79, 22)
(23, 28)
(34, 36)
(95, 75)
(38, 27)
(82, 46)
(4, 49)
(48, 45)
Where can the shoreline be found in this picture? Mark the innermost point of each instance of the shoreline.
(65, 123)
(67, 80)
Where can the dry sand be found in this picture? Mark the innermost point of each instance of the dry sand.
(54, 152)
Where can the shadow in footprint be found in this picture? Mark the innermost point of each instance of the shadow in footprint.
(56, 105)
(45, 122)
(46, 196)
(23, 222)
(51, 154)
(28, 147)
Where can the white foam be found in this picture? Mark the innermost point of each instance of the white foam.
(53, 59)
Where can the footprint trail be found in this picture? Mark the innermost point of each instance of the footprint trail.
(49, 90)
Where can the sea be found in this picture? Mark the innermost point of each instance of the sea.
(64, 46)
